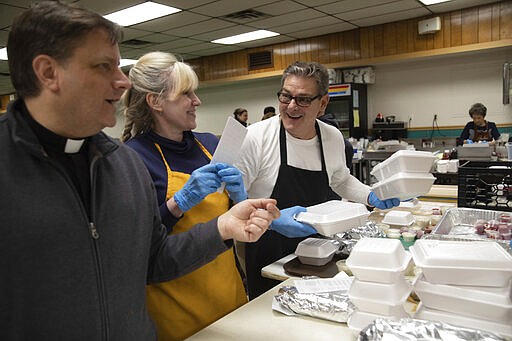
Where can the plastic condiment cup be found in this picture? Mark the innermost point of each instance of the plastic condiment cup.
(408, 236)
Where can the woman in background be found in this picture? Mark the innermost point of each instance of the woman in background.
(160, 111)
(479, 130)
(241, 115)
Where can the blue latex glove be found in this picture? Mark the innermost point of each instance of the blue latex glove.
(382, 204)
(202, 182)
(234, 181)
(468, 141)
(289, 227)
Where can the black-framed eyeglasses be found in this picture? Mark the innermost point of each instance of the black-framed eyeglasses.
(302, 101)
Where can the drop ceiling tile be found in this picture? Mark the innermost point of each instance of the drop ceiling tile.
(379, 10)
(175, 44)
(315, 3)
(223, 7)
(196, 47)
(3, 38)
(159, 38)
(185, 4)
(210, 51)
(7, 13)
(307, 24)
(391, 17)
(288, 18)
(180, 19)
(198, 28)
(227, 32)
(280, 7)
(18, 3)
(106, 7)
(130, 33)
(313, 32)
(351, 5)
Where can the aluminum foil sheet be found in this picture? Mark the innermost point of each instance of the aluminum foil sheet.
(350, 237)
(332, 306)
(413, 329)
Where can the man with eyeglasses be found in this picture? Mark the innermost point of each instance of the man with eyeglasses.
(295, 158)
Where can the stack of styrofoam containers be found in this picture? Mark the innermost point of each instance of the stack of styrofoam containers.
(379, 289)
(464, 283)
(404, 175)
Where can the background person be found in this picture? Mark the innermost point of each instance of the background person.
(81, 231)
(160, 111)
(295, 159)
(241, 115)
(268, 112)
(479, 129)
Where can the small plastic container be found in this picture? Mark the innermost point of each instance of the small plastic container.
(487, 303)
(404, 185)
(401, 218)
(404, 161)
(408, 236)
(334, 216)
(316, 251)
(381, 260)
(422, 220)
(380, 298)
(474, 263)
(425, 313)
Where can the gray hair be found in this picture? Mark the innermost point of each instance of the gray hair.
(157, 73)
(313, 70)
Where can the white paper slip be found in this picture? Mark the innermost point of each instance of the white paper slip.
(312, 286)
(230, 144)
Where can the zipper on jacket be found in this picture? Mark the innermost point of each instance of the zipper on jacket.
(94, 232)
(95, 236)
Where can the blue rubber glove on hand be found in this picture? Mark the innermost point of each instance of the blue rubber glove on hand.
(288, 226)
(468, 141)
(382, 204)
(202, 182)
(234, 181)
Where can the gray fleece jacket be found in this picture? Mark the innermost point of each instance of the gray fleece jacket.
(65, 276)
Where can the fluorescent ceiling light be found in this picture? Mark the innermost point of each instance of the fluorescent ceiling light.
(240, 38)
(126, 62)
(140, 13)
(433, 2)
(3, 53)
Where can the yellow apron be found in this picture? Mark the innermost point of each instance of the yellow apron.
(183, 306)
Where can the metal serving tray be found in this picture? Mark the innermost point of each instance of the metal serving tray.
(458, 224)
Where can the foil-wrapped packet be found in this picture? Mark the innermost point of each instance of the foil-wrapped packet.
(332, 306)
(349, 238)
(413, 330)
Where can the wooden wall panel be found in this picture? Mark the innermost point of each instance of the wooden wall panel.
(469, 26)
(505, 20)
(478, 25)
(484, 24)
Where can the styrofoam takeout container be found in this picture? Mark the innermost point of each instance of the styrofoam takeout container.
(424, 313)
(359, 320)
(381, 260)
(380, 298)
(316, 251)
(334, 216)
(488, 303)
(475, 263)
(402, 218)
(404, 185)
(412, 161)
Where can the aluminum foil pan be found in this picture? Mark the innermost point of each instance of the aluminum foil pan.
(458, 224)
(414, 329)
(332, 306)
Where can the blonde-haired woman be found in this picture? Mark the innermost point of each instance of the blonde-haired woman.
(160, 111)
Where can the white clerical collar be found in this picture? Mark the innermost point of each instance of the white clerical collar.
(73, 146)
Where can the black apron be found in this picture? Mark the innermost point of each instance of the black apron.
(294, 186)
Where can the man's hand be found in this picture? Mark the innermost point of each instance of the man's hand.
(248, 220)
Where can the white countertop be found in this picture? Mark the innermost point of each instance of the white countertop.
(257, 321)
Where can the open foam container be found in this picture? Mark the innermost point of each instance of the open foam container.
(334, 216)
(474, 263)
(412, 161)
